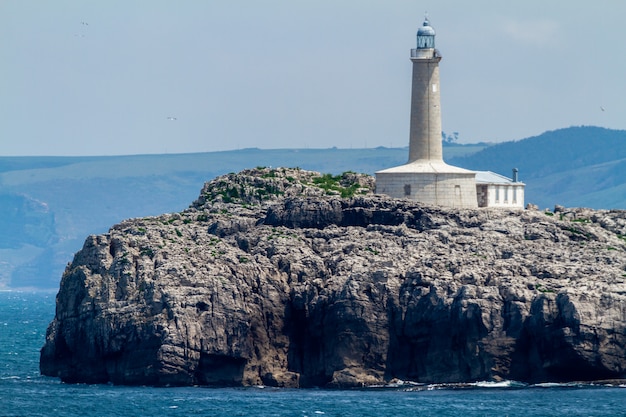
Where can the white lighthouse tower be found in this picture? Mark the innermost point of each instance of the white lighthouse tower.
(426, 178)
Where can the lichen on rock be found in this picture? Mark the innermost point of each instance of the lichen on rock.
(286, 277)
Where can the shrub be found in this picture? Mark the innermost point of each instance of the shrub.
(332, 184)
(147, 252)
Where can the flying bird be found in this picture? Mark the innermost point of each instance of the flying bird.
(601, 108)
(172, 118)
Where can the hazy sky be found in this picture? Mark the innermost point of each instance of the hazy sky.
(109, 77)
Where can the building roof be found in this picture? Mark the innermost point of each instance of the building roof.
(488, 177)
(425, 166)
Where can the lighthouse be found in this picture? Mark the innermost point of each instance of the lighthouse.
(426, 178)
(425, 131)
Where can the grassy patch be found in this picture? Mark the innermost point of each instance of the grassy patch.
(230, 194)
(124, 258)
(579, 232)
(149, 252)
(333, 184)
(374, 251)
(277, 233)
(541, 288)
(263, 192)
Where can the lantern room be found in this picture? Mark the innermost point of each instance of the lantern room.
(426, 36)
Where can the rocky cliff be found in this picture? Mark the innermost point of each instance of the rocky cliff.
(290, 278)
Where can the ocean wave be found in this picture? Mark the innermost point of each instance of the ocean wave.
(496, 385)
(418, 386)
(500, 384)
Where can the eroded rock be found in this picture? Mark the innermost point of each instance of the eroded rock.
(272, 277)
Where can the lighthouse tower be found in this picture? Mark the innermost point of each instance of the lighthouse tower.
(426, 177)
(425, 134)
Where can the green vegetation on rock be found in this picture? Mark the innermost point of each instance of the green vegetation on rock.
(340, 184)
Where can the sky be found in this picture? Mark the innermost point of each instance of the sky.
(122, 77)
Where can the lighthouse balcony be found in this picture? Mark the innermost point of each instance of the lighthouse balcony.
(425, 53)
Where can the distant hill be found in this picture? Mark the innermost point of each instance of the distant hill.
(576, 167)
(48, 205)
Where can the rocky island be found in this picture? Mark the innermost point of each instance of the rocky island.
(291, 278)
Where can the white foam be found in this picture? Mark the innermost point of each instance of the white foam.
(499, 384)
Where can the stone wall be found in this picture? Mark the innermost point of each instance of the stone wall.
(441, 189)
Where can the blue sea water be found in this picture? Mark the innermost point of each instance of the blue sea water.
(23, 392)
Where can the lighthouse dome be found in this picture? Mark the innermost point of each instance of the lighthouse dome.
(426, 29)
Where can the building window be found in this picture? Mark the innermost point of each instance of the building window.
(506, 194)
(407, 189)
(514, 195)
(497, 194)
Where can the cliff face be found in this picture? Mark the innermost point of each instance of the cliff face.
(272, 277)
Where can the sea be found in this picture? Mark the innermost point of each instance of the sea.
(24, 317)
